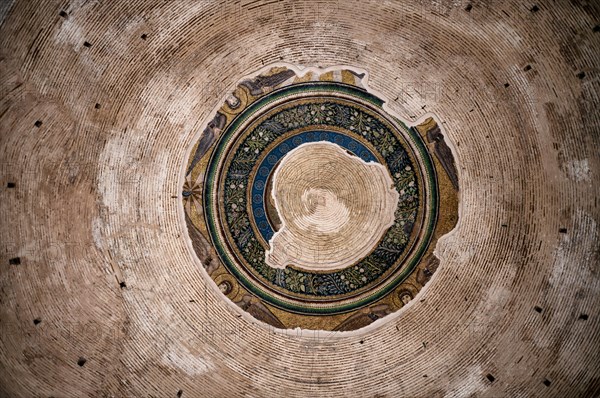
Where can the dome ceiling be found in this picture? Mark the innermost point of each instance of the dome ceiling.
(108, 290)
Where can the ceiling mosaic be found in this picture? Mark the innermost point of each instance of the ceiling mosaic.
(311, 206)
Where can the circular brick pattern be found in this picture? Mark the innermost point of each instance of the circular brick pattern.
(91, 197)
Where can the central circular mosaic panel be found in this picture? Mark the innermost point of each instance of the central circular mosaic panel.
(311, 206)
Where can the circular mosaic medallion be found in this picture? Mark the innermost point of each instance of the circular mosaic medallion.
(308, 204)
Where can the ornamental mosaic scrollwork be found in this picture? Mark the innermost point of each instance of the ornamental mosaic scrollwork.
(231, 218)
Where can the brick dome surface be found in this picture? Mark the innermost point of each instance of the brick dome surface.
(102, 294)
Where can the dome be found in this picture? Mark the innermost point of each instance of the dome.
(415, 214)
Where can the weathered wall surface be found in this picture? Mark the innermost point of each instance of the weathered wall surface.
(100, 101)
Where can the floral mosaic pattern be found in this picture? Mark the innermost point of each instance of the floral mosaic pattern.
(319, 115)
(231, 216)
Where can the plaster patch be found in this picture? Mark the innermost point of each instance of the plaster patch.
(578, 170)
(181, 358)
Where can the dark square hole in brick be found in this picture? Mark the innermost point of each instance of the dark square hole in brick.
(469, 7)
(547, 382)
(10, 185)
(596, 28)
(38, 123)
(179, 393)
(87, 44)
(81, 361)
(562, 230)
(37, 321)
(490, 378)
(63, 14)
(144, 36)
(14, 261)
(538, 309)
(535, 8)
(526, 68)
(506, 85)
(123, 285)
(581, 75)
(583, 317)
(97, 106)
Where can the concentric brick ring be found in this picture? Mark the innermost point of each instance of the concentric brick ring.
(334, 207)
